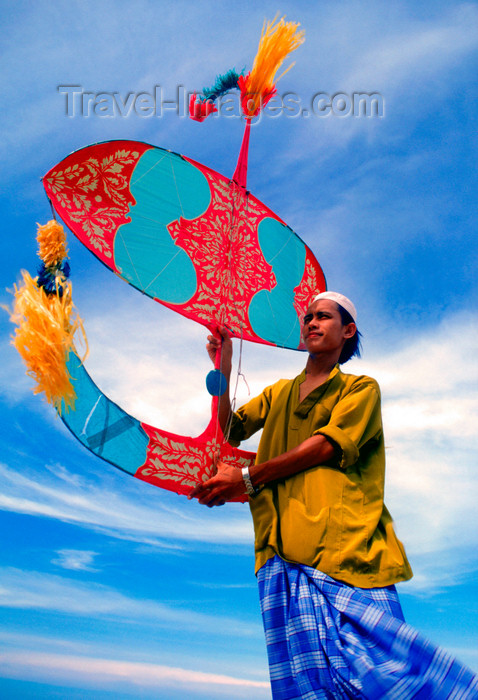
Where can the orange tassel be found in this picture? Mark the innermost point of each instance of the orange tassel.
(51, 243)
(277, 41)
(46, 326)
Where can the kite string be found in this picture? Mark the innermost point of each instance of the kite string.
(239, 374)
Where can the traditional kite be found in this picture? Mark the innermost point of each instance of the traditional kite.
(191, 239)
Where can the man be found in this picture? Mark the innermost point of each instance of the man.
(327, 557)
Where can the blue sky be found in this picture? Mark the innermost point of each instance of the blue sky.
(111, 587)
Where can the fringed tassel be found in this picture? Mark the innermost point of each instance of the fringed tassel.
(51, 243)
(200, 109)
(277, 41)
(47, 321)
(202, 106)
(224, 83)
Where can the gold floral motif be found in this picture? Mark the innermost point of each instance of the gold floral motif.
(100, 213)
(186, 463)
(181, 462)
(225, 248)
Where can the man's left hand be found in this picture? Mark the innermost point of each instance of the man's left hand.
(224, 486)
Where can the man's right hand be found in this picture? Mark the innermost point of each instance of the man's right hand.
(222, 344)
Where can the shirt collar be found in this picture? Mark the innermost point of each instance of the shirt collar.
(311, 399)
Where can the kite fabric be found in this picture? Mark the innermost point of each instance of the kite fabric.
(195, 241)
(189, 238)
(326, 640)
(198, 243)
(173, 462)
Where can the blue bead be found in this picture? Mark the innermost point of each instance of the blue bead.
(216, 383)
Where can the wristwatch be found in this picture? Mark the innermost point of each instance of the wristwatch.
(251, 490)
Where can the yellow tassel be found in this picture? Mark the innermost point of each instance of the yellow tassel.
(46, 325)
(278, 40)
(51, 243)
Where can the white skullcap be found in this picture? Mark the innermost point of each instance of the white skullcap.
(341, 300)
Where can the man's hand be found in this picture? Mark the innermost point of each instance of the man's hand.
(223, 345)
(224, 486)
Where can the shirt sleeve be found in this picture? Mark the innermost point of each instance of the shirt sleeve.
(250, 418)
(355, 420)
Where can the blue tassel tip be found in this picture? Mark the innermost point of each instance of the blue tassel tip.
(216, 382)
(223, 84)
(47, 277)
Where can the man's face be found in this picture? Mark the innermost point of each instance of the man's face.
(323, 331)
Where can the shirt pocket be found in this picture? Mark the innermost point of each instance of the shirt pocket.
(304, 538)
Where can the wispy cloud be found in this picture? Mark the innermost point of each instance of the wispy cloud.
(86, 671)
(135, 516)
(409, 52)
(34, 590)
(223, 586)
(75, 559)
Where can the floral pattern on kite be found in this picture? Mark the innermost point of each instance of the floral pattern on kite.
(224, 247)
(178, 463)
(93, 197)
(189, 238)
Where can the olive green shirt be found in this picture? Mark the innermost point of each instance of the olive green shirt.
(332, 516)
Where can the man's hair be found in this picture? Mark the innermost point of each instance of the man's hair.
(352, 346)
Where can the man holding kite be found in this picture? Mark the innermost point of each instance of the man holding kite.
(327, 557)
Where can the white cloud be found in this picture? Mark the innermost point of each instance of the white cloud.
(60, 472)
(430, 410)
(34, 590)
(87, 671)
(146, 517)
(75, 559)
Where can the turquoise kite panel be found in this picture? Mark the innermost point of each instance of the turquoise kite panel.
(272, 314)
(165, 188)
(101, 425)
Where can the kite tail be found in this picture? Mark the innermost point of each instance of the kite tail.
(47, 321)
(278, 40)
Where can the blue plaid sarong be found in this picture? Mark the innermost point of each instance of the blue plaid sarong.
(332, 641)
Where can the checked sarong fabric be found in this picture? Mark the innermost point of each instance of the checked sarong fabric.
(327, 640)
